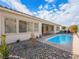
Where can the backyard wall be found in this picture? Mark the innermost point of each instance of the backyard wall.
(76, 43)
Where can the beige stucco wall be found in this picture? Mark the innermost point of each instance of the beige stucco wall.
(0, 27)
(12, 37)
(76, 44)
(0, 24)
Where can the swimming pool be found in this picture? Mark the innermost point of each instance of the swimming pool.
(62, 39)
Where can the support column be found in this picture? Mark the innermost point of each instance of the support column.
(0, 26)
(0, 29)
(17, 26)
(55, 29)
(40, 28)
(33, 27)
(60, 28)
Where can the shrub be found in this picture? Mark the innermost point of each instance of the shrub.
(4, 51)
(4, 48)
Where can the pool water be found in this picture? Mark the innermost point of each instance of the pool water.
(61, 39)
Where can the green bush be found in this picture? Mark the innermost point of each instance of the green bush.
(4, 48)
(4, 51)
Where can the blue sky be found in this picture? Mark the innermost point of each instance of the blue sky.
(34, 4)
(64, 12)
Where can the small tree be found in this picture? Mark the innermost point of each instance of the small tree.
(73, 28)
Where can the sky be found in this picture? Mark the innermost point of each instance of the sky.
(63, 12)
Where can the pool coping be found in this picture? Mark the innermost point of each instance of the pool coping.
(58, 46)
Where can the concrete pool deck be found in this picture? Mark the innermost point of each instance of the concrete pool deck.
(72, 47)
(41, 50)
(63, 47)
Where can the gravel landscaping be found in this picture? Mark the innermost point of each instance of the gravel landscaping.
(25, 50)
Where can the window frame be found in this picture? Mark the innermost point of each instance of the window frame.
(19, 26)
(36, 25)
(31, 28)
(9, 18)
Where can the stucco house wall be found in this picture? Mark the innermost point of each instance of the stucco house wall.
(12, 37)
(0, 25)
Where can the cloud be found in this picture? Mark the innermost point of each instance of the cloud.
(49, 1)
(40, 7)
(65, 6)
(47, 14)
(17, 5)
(43, 13)
(73, 1)
(67, 15)
(70, 15)
(20, 7)
(46, 6)
(6, 3)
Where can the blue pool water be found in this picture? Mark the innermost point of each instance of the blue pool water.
(61, 39)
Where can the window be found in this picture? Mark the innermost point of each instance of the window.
(36, 27)
(10, 25)
(57, 28)
(52, 28)
(22, 26)
(30, 27)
